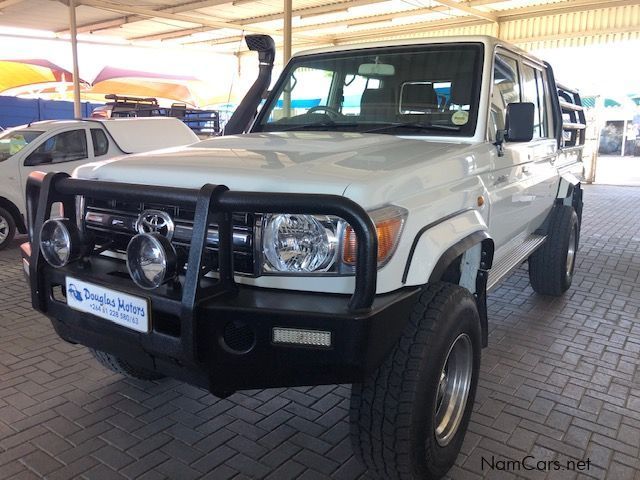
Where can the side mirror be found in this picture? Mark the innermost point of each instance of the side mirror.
(38, 158)
(519, 122)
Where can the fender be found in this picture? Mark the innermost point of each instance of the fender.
(570, 193)
(461, 246)
(437, 247)
(11, 207)
(432, 242)
(568, 182)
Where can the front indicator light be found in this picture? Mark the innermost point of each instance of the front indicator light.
(59, 242)
(389, 222)
(151, 260)
(295, 336)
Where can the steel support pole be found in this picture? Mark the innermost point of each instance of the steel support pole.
(286, 103)
(77, 106)
(288, 8)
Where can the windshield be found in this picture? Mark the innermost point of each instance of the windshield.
(416, 90)
(12, 141)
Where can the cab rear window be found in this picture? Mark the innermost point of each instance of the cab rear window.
(100, 142)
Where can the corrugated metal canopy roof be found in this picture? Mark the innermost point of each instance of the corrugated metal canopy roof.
(220, 24)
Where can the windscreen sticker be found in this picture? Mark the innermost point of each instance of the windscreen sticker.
(460, 117)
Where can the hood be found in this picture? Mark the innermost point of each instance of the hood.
(300, 162)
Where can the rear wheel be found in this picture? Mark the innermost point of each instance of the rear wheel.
(551, 266)
(122, 367)
(7, 228)
(409, 418)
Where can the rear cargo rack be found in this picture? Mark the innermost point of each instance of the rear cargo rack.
(574, 122)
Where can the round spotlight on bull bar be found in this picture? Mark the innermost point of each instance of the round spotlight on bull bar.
(151, 260)
(60, 242)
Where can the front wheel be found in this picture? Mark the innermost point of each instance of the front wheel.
(408, 418)
(7, 228)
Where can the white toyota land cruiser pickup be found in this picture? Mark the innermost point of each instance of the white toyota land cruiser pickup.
(350, 236)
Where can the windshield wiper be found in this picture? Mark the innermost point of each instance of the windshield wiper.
(331, 125)
(317, 125)
(413, 126)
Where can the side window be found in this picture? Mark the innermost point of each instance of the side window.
(100, 142)
(64, 147)
(533, 91)
(541, 77)
(506, 90)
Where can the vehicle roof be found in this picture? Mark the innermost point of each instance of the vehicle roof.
(46, 125)
(132, 135)
(136, 135)
(51, 124)
(489, 41)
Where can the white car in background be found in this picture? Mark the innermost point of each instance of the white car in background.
(63, 145)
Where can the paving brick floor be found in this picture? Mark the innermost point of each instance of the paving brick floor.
(559, 380)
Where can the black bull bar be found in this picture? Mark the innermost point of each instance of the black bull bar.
(213, 203)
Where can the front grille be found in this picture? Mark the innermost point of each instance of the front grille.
(113, 223)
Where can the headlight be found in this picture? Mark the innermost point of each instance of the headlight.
(59, 242)
(299, 243)
(151, 260)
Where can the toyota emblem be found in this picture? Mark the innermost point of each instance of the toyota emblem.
(155, 221)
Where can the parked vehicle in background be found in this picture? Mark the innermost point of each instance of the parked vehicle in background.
(322, 242)
(63, 145)
(225, 111)
(204, 123)
(122, 106)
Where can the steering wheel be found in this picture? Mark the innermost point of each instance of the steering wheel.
(331, 112)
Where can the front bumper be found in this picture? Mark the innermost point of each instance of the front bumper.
(360, 340)
(215, 333)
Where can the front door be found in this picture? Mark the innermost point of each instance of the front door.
(59, 152)
(523, 180)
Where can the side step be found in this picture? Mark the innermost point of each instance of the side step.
(514, 259)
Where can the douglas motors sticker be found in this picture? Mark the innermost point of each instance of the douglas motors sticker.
(118, 307)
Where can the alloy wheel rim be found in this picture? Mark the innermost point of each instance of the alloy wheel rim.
(571, 253)
(453, 389)
(4, 229)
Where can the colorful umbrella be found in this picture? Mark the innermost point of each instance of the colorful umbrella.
(181, 88)
(32, 72)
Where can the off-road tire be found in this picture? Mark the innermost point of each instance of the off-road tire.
(392, 412)
(122, 367)
(9, 229)
(549, 272)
